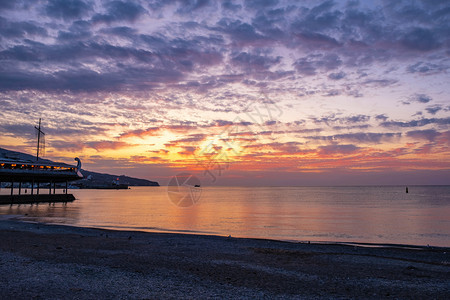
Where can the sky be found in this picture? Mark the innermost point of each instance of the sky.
(247, 92)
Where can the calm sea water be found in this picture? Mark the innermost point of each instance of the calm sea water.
(347, 214)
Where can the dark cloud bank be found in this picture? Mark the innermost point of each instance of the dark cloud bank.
(101, 46)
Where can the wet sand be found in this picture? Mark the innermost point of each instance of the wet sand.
(53, 261)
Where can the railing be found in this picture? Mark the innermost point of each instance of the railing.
(26, 167)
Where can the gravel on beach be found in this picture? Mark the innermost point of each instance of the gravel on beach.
(42, 261)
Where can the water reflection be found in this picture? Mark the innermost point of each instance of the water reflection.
(362, 214)
(60, 213)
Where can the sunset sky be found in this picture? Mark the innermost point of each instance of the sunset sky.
(264, 92)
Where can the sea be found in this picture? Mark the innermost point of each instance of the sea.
(357, 214)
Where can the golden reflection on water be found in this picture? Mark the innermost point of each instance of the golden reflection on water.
(356, 214)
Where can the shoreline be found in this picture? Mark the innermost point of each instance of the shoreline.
(80, 262)
(21, 218)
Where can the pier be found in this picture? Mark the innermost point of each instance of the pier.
(29, 173)
(42, 179)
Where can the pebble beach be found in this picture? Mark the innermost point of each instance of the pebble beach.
(43, 261)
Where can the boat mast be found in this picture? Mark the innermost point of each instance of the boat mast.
(39, 132)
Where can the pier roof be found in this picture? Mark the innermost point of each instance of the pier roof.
(25, 171)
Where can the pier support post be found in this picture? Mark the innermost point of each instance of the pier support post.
(54, 188)
(37, 188)
(67, 183)
(50, 188)
(20, 187)
(32, 186)
(12, 192)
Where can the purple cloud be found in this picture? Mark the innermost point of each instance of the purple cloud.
(311, 64)
(254, 62)
(67, 9)
(427, 68)
(337, 76)
(338, 149)
(381, 117)
(120, 11)
(420, 39)
(433, 109)
(418, 98)
(332, 119)
(229, 5)
(20, 29)
(417, 123)
(360, 137)
(429, 134)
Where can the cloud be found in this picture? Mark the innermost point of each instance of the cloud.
(17, 129)
(379, 82)
(333, 36)
(417, 123)
(122, 31)
(67, 9)
(222, 123)
(283, 148)
(348, 127)
(338, 149)
(79, 80)
(349, 120)
(4, 5)
(191, 138)
(418, 98)
(420, 39)
(107, 145)
(79, 30)
(427, 68)
(318, 18)
(172, 56)
(229, 5)
(381, 117)
(429, 134)
(433, 109)
(20, 29)
(337, 76)
(421, 98)
(359, 137)
(187, 7)
(314, 40)
(309, 65)
(239, 32)
(141, 133)
(155, 130)
(252, 62)
(148, 72)
(188, 150)
(259, 4)
(74, 51)
(119, 11)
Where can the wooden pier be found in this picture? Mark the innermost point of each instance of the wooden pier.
(34, 173)
(33, 176)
